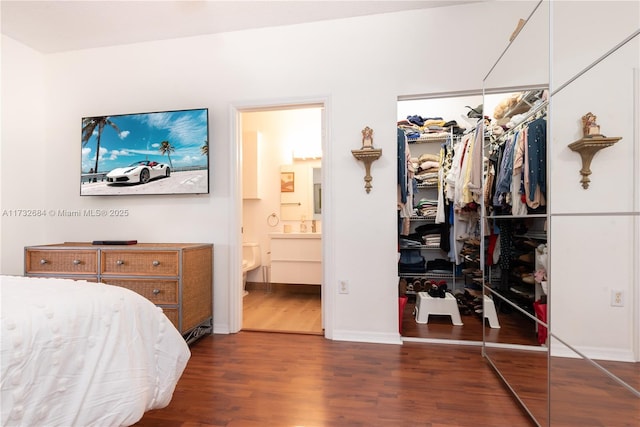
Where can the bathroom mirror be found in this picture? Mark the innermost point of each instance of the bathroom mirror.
(513, 231)
(317, 193)
(300, 191)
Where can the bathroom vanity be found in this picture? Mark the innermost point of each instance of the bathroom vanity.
(296, 258)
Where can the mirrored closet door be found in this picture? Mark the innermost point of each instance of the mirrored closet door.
(561, 231)
(515, 214)
(594, 217)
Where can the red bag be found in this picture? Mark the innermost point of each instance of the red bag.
(541, 314)
(402, 302)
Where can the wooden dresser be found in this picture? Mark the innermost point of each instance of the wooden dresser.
(175, 276)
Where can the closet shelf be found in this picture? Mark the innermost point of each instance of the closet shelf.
(429, 138)
(434, 246)
(430, 275)
(536, 235)
(524, 105)
(431, 219)
(522, 292)
(434, 185)
(516, 216)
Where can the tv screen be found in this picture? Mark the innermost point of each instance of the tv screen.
(165, 152)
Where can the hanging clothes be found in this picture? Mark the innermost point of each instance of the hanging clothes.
(518, 202)
(521, 171)
(535, 159)
(405, 183)
(474, 184)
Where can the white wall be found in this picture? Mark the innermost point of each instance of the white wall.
(23, 181)
(362, 65)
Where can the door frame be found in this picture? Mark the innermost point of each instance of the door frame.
(235, 214)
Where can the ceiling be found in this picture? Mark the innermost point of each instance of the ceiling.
(56, 26)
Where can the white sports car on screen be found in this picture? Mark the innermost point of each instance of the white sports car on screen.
(138, 172)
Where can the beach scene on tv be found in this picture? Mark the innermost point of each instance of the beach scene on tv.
(145, 153)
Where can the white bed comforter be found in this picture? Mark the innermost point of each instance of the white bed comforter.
(83, 354)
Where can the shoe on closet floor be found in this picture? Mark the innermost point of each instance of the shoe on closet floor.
(527, 257)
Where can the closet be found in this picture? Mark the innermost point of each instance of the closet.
(455, 170)
(438, 217)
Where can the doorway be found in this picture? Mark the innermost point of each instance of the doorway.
(466, 276)
(282, 292)
(433, 126)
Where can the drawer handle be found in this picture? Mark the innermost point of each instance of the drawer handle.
(43, 261)
(77, 262)
(156, 263)
(120, 262)
(156, 291)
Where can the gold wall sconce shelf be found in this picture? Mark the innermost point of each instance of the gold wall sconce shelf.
(368, 155)
(587, 146)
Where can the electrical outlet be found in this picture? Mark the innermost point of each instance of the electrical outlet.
(617, 298)
(343, 287)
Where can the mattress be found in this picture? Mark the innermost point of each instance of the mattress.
(76, 353)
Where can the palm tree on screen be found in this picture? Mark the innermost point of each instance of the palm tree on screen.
(89, 125)
(167, 148)
(204, 150)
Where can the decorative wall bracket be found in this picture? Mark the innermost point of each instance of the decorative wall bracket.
(368, 155)
(587, 146)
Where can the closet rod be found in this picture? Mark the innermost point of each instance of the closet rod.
(474, 128)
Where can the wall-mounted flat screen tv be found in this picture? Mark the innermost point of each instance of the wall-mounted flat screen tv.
(165, 152)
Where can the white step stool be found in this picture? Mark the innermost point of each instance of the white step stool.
(490, 312)
(426, 305)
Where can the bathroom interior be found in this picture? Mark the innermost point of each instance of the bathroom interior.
(281, 219)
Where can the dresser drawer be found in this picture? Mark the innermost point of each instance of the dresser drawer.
(140, 263)
(158, 291)
(61, 261)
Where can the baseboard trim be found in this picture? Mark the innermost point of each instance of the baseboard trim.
(368, 337)
(284, 287)
(593, 353)
(221, 328)
(441, 341)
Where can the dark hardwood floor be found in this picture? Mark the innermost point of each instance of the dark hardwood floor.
(302, 379)
(582, 395)
(273, 379)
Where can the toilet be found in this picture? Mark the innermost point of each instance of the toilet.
(250, 261)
